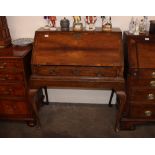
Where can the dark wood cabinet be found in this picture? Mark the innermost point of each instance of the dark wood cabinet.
(15, 70)
(85, 60)
(140, 80)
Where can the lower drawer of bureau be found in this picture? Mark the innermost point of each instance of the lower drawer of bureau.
(14, 107)
(75, 71)
(142, 111)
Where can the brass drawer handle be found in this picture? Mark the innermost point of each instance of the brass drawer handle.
(135, 73)
(5, 78)
(153, 74)
(150, 96)
(152, 83)
(3, 65)
(148, 113)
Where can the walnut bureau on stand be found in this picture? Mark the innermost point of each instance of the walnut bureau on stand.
(80, 60)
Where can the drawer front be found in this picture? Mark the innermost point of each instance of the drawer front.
(12, 90)
(142, 95)
(141, 83)
(11, 66)
(142, 73)
(75, 71)
(11, 77)
(13, 107)
(143, 111)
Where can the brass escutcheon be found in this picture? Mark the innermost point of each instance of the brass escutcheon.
(150, 96)
(153, 74)
(148, 113)
(152, 83)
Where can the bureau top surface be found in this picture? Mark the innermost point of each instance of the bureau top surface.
(14, 52)
(83, 48)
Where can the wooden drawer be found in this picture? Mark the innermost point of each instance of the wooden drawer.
(143, 111)
(12, 90)
(142, 95)
(142, 73)
(11, 77)
(141, 83)
(75, 71)
(10, 66)
(13, 107)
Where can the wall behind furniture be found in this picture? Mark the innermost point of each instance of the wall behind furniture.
(25, 26)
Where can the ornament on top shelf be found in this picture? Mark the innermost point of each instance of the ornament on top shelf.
(64, 23)
(51, 22)
(90, 23)
(77, 24)
(143, 25)
(137, 26)
(106, 23)
(136, 32)
(132, 26)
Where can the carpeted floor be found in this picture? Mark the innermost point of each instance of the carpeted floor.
(64, 120)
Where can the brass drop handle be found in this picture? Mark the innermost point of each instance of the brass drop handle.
(4, 78)
(153, 74)
(148, 113)
(3, 65)
(150, 97)
(152, 83)
(135, 73)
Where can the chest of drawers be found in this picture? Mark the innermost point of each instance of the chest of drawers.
(15, 72)
(140, 79)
